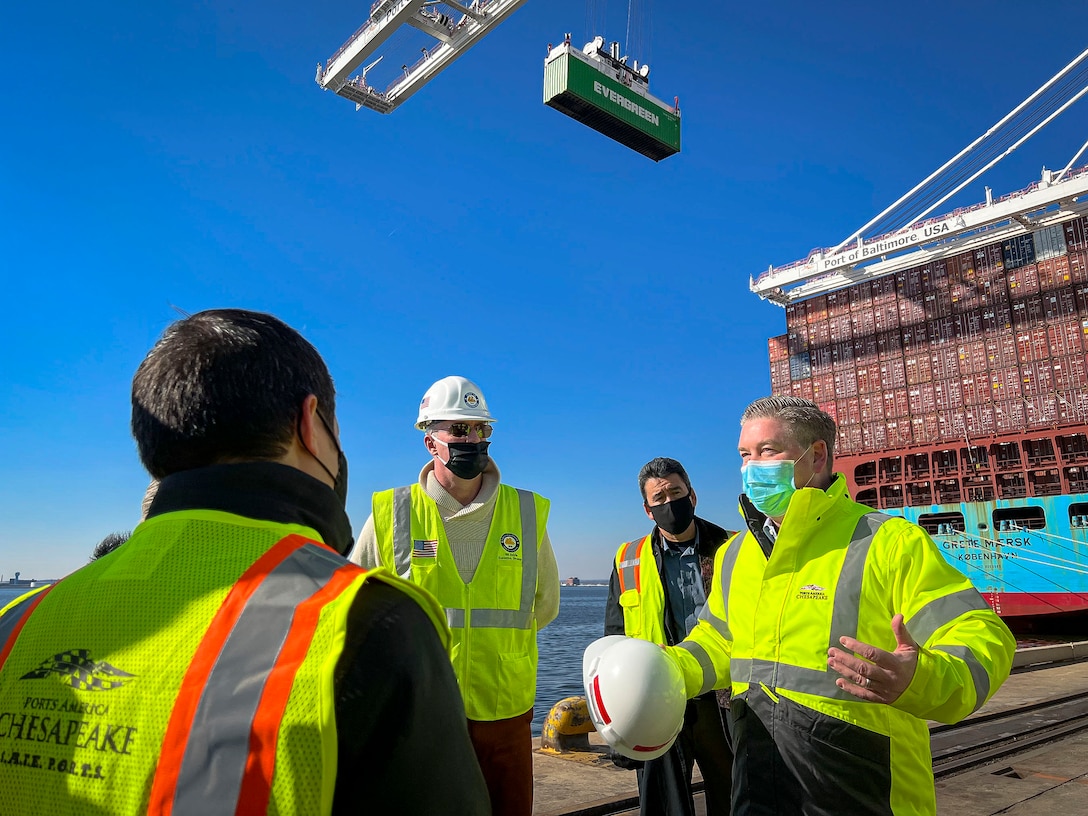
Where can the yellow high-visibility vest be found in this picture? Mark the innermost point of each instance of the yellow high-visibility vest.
(189, 671)
(642, 595)
(492, 618)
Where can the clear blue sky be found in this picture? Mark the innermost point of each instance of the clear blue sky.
(185, 158)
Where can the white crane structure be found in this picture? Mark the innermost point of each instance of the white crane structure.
(912, 240)
(453, 27)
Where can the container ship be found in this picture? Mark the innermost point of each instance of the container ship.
(954, 364)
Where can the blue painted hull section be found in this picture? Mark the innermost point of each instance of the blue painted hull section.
(1021, 572)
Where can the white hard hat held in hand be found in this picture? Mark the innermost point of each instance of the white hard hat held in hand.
(636, 695)
(453, 398)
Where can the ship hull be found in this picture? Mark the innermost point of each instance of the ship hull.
(1036, 579)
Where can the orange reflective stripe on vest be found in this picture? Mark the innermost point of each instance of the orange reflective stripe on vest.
(630, 569)
(228, 711)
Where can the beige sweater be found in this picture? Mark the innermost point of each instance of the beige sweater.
(467, 528)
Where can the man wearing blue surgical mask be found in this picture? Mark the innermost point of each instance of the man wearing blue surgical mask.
(658, 589)
(840, 631)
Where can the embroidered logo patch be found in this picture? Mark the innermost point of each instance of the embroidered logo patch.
(510, 542)
(812, 592)
(75, 668)
(424, 549)
(471, 399)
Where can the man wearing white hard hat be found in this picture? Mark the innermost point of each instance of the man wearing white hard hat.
(482, 548)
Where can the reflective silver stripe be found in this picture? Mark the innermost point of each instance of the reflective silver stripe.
(818, 682)
(628, 567)
(705, 663)
(218, 744)
(527, 505)
(740, 669)
(729, 562)
(844, 622)
(522, 617)
(402, 531)
(501, 619)
(844, 615)
(720, 625)
(979, 676)
(941, 611)
(14, 615)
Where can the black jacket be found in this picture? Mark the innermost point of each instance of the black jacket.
(710, 537)
(398, 707)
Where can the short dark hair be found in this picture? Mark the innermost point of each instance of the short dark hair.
(224, 385)
(661, 468)
(804, 419)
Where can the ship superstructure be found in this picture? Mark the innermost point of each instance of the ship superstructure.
(953, 353)
(960, 390)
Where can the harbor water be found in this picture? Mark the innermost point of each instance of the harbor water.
(561, 643)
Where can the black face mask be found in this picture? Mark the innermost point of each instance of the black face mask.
(467, 459)
(340, 480)
(340, 483)
(674, 517)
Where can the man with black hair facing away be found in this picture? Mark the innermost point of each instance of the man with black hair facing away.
(658, 588)
(227, 658)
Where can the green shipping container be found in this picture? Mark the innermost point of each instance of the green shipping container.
(610, 107)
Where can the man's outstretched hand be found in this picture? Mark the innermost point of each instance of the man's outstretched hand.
(873, 674)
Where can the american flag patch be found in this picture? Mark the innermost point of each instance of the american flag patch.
(424, 549)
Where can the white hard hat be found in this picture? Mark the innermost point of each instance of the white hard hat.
(453, 398)
(636, 695)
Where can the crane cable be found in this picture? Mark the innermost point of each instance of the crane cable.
(638, 25)
(638, 21)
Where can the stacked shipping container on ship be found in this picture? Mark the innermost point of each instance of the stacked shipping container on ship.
(956, 381)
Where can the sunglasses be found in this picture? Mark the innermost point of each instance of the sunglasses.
(461, 430)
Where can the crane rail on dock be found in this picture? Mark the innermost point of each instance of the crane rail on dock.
(987, 738)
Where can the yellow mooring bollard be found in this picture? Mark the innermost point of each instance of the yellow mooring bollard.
(567, 727)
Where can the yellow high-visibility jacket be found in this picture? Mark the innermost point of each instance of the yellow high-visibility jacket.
(837, 569)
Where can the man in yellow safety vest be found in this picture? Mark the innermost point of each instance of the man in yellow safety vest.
(482, 549)
(227, 658)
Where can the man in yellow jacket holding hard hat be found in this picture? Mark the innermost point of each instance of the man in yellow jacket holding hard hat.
(840, 631)
(482, 549)
(227, 658)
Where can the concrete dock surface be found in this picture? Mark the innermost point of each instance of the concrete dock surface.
(1050, 779)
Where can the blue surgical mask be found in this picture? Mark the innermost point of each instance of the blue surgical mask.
(769, 484)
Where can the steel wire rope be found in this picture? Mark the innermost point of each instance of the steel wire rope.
(596, 11)
(401, 49)
(392, 51)
(1054, 537)
(1077, 63)
(639, 22)
(995, 144)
